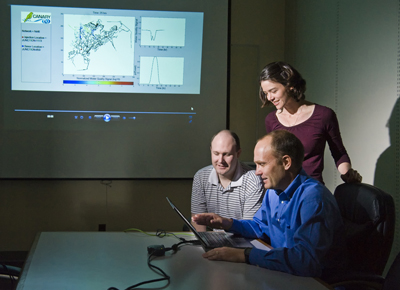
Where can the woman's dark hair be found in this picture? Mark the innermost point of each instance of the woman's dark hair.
(286, 75)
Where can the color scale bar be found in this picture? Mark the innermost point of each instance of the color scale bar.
(97, 83)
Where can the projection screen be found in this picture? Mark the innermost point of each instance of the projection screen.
(111, 89)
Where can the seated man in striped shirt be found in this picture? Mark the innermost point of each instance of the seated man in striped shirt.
(227, 187)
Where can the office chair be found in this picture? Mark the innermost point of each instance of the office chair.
(392, 280)
(377, 282)
(9, 276)
(369, 218)
(11, 263)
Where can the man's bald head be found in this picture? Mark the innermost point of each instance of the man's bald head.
(225, 151)
(228, 134)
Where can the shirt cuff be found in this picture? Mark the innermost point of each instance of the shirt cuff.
(234, 226)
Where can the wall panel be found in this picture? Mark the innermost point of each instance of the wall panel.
(348, 53)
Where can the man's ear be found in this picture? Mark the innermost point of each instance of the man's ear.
(238, 152)
(287, 162)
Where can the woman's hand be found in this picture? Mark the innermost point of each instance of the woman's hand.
(351, 176)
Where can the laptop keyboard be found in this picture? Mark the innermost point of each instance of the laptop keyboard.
(218, 239)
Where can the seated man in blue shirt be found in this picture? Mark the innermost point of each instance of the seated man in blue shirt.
(299, 215)
(228, 187)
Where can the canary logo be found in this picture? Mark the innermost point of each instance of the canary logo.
(29, 16)
(34, 17)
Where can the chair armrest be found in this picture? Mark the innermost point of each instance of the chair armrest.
(369, 281)
(9, 270)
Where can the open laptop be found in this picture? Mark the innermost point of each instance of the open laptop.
(211, 240)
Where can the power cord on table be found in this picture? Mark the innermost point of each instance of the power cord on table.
(160, 233)
(158, 251)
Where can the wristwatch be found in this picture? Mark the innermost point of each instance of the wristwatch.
(247, 255)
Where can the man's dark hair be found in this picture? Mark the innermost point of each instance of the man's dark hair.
(234, 136)
(285, 143)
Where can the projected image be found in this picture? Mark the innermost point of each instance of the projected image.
(98, 45)
(163, 31)
(161, 70)
(105, 50)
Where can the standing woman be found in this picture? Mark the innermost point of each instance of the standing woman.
(313, 124)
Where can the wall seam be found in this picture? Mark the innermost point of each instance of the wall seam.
(335, 172)
(397, 145)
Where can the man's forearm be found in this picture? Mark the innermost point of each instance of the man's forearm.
(246, 228)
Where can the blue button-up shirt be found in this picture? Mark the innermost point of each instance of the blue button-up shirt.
(304, 226)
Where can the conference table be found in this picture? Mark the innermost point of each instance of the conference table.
(100, 260)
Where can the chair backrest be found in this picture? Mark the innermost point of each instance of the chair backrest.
(369, 217)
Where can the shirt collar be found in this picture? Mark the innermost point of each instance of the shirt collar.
(237, 179)
(289, 191)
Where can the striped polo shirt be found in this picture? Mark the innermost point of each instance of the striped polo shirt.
(240, 199)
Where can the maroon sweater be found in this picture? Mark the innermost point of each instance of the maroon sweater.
(320, 128)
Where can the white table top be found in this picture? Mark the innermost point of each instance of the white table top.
(99, 260)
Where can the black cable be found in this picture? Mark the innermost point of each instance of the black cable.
(153, 267)
(166, 276)
(162, 233)
(175, 247)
